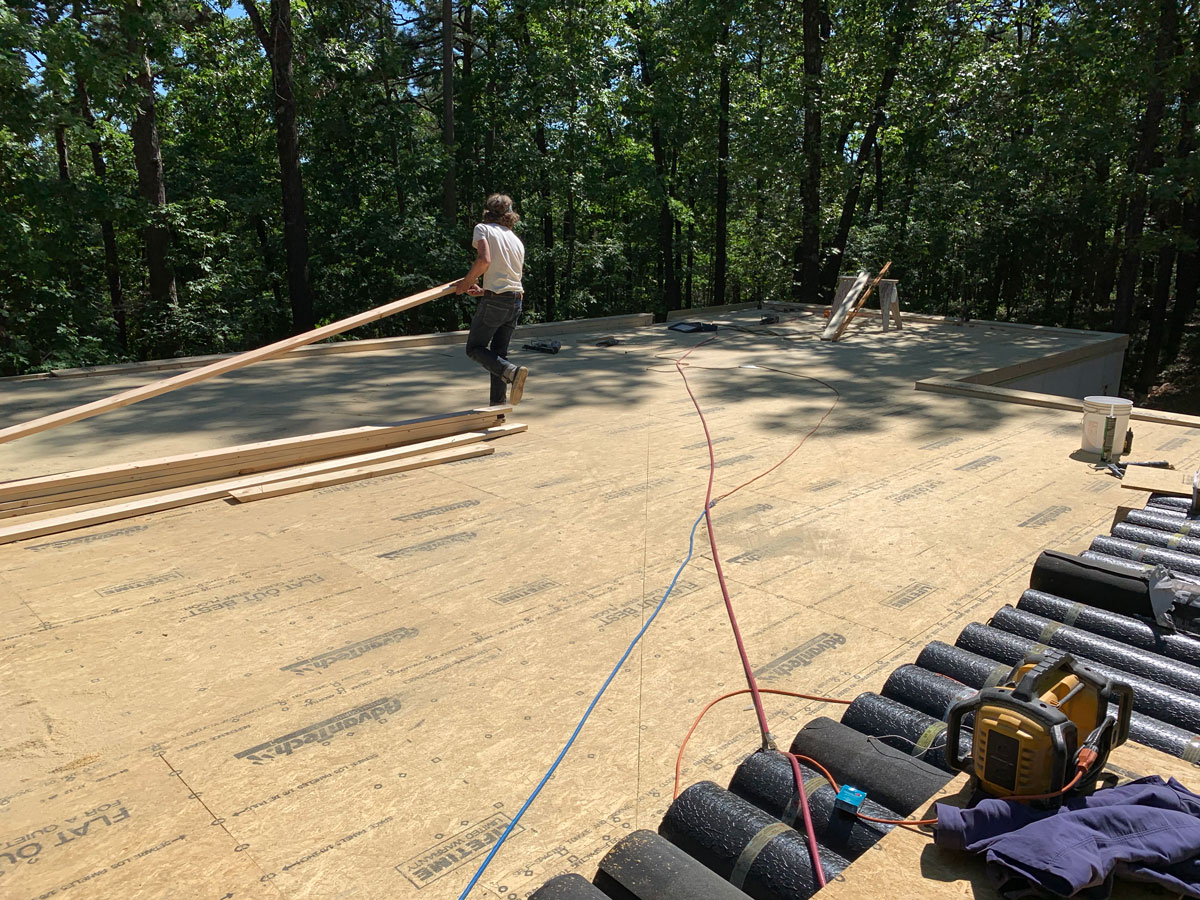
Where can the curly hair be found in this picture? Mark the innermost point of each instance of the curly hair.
(498, 210)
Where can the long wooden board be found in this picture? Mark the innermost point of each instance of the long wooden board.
(342, 456)
(1159, 481)
(840, 313)
(343, 476)
(302, 448)
(156, 388)
(160, 502)
(862, 299)
(248, 464)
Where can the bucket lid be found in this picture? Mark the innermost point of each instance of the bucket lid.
(1104, 404)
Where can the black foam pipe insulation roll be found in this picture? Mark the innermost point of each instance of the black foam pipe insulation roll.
(1134, 660)
(1169, 540)
(568, 887)
(925, 691)
(1147, 556)
(962, 665)
(1162, 520)
(892, 778)
(978, 672)
(766, 779)
(644, 866)
(1127, 630)
(1137, 569)
(1170, 501)
(903, 728)
(753, 850)
(1149, 698)
(1106, 584)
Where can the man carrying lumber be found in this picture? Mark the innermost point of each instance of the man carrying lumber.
(500, 257)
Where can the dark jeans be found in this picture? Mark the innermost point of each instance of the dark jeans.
(487, 343)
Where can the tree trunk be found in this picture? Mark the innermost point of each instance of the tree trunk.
(837, 249)
(879, 179)
(1188, 263)
(805, 282)
(1106, 275)
(1186, 281)
(260, 228)
(1123, 318)
(691, 256)
(1167, 220)
(721, 256)
(547, 222)
(389, 104)
(449, 198)
(152, 186)
(466, 137)
(569, 238)
(277, 43)
(60, 146)
(112, 262)
(668, 282)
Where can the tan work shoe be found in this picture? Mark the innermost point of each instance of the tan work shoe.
(518, 385)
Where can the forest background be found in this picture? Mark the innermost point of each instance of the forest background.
(183, 178)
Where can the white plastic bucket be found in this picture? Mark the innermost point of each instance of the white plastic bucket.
(1096, 411)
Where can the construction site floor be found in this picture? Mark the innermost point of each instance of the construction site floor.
(348, 692)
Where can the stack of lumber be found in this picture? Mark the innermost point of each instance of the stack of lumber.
(246, 472)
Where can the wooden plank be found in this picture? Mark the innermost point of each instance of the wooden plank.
(193, 478)
(945, 385)
(340, 442)
(156, 388)
(1159, 481)
(939, 385)
(381, 457)
(840, 310)
(158, 503)
(862, 300)
(247, 464)
(295, 485)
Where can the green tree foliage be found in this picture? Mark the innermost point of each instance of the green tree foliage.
(1023, 160)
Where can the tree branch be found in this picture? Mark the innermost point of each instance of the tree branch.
(264, 37)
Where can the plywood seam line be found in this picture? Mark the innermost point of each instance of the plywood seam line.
(637, 795)
(215, 819)
(157, 388)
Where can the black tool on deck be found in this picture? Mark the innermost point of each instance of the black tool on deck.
(1029, 732)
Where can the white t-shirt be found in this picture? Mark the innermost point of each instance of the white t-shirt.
(508, 257)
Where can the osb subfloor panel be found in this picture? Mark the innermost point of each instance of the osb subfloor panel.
(347, 693)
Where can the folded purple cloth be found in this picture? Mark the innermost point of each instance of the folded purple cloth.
(1146, 830)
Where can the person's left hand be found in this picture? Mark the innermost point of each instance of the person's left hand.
(465, 286)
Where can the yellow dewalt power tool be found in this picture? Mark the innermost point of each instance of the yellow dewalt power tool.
(1045, 732)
